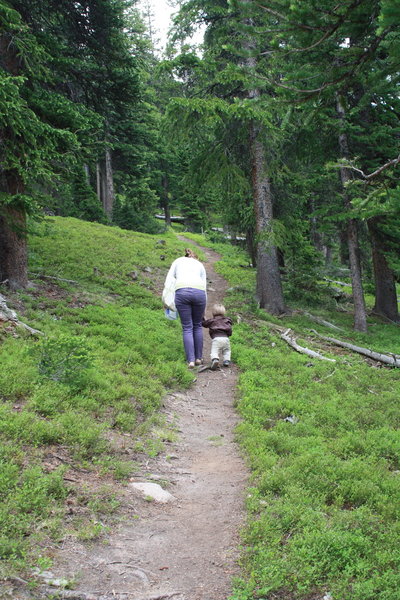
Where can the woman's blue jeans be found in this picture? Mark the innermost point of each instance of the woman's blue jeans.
(191, 304)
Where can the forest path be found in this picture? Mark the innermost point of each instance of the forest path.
(186, 549)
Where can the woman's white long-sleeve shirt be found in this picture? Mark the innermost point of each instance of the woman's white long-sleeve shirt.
(186, 272)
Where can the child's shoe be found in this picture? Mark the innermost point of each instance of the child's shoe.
(214, 364)
(191, 365)
(226, 363)
(198, 362)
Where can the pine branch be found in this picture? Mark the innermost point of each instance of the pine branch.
(361, 59)
(285, 18)
(327, 33)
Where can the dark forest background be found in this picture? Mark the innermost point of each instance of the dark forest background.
(282, 130)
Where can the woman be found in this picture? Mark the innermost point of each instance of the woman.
(188, 277)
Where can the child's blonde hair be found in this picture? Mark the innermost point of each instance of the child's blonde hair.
(218, 309)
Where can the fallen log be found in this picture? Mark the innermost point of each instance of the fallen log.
(322, 321)
(301, 349)
(337, 282)
(388, 359)
(9, 315)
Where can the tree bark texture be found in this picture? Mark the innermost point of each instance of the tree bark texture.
(99, 187)
(165, 200)
(86, 168)
(13, 247)
(109, 185)
(269, 285)
(385, 285)
(251, 246)
(105, 183)
(360, 314)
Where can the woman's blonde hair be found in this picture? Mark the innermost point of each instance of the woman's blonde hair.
(218, 310)
(189, 253)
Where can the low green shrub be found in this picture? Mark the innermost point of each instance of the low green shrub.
(322, 442)
(64, 359)
(100, 370)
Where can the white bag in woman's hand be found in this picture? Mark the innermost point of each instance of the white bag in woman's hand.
(168, 296)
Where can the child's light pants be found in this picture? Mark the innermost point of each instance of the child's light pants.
(221, 344)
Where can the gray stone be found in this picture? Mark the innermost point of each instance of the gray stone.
(153, 491)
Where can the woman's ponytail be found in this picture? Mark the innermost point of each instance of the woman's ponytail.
(189, 253)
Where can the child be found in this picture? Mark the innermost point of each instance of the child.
(220, 328)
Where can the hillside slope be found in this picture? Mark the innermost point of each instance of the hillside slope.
(99, 372)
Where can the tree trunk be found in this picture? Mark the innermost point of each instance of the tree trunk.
(269, 286)
(360, 314)
(385, 286)
(327, 250)
(316, 236)
(109, 185)
(87, 173)
(99, 187)
(251, 246)
(343, 246)
(13, 247)
(165, 201)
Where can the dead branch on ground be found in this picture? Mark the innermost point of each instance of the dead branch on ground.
(8, 315)
(388, 359)
(322, 321)
(289, 339)
(41, 276)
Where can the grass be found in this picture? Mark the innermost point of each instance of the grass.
(322, 441)
(98, 374)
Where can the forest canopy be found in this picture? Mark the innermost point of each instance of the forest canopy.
(282, 130)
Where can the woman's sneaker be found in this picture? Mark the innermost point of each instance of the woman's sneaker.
(214, 364)
(226, 363)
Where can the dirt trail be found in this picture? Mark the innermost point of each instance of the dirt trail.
(186, 549)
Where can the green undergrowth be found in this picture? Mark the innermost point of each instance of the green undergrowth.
(322, 440)
(88, 391)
